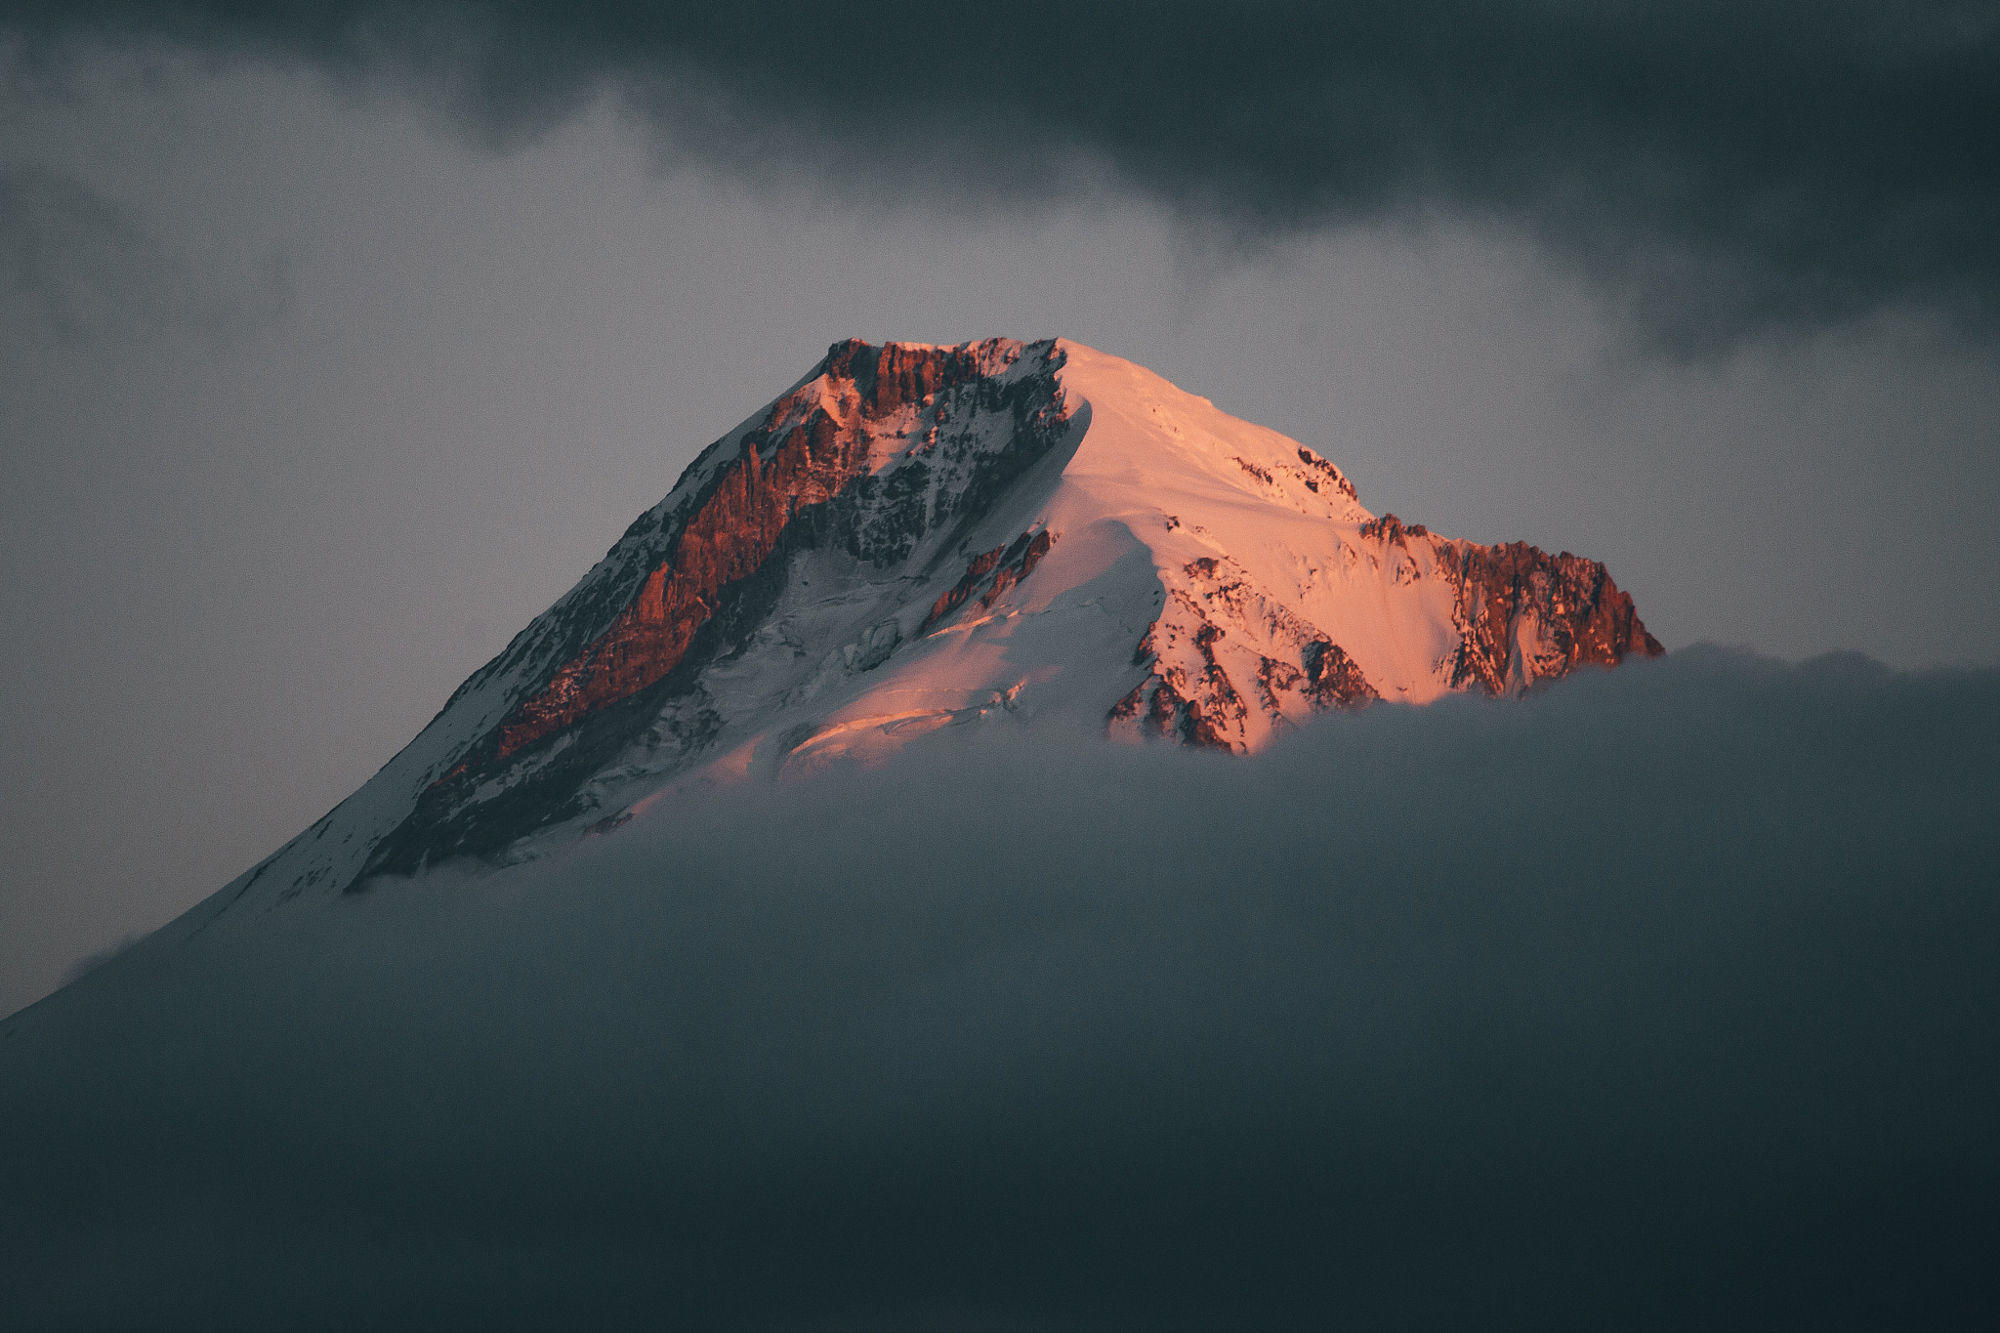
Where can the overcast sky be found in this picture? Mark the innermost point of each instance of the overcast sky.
(334, 346)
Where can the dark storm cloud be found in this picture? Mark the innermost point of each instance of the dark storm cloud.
(1663, 999)
(1728, 167)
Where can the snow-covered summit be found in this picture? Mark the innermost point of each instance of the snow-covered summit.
(917, 536)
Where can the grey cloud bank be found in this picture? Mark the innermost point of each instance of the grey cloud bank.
(1728, 169)
(1662, 998)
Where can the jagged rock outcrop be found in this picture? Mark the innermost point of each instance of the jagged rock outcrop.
(1230, 663)
(1525, 615)
(998, 570)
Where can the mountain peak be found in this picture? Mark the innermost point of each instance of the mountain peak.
(918, 536)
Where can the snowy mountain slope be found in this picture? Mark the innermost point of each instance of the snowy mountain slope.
(914, 537)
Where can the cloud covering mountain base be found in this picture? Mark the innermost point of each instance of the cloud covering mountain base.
(1660, 998)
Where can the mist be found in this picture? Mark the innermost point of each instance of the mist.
(1662, 997)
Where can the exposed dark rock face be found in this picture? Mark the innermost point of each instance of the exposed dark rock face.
(1521, 616)
(1199, 707)
(1320, 473)
(732, 532)
(1000, 569)
(1205, 708)
(1196, 700)
(690, 579)
(895, 374)
(1392, 531)
(954, 597)
(1332, 678)
(733, 527)
(1582, 617)
(1159, 710)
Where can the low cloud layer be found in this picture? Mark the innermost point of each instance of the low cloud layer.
(1729, 169)
(1662, 999)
